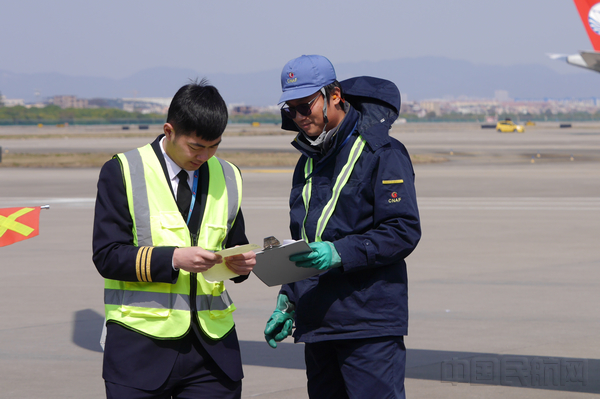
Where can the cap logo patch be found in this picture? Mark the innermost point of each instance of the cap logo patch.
(291, 78)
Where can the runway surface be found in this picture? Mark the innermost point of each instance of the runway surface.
(503, 286)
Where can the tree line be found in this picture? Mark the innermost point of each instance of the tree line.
(53, 114)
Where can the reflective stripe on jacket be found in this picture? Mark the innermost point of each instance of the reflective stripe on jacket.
(163, 310)
(340, 182)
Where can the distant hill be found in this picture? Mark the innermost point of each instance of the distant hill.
(419, 78)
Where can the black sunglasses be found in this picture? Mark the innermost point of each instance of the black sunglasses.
(303, 109)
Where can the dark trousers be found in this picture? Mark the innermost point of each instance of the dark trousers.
(194, 375)
(356, 369)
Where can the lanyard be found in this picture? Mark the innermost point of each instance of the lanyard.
(194, 189)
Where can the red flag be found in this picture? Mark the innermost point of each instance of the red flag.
(18, 224)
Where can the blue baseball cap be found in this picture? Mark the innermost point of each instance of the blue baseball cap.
(304, 76)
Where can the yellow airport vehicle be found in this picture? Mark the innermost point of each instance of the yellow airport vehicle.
(508, 126)
(529, 123)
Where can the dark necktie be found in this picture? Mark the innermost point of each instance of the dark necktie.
(184, 194)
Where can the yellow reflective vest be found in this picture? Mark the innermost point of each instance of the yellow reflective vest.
(163, 310)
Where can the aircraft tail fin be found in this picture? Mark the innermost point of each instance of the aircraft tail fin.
(589, 11)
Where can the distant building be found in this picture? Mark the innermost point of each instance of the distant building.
(501, 95)
(69, 102)
(11, 102)
(493, 108)
(432, 106)
(147, 105)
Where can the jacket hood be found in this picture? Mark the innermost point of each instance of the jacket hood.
(378, 103)
(373, 97)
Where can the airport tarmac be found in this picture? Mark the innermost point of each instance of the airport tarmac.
(503, 287)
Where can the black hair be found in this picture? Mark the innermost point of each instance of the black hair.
(198, 108)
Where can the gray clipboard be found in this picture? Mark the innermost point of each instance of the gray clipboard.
(273, 266)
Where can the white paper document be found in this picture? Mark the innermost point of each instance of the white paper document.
(221, 272)
(273, 266)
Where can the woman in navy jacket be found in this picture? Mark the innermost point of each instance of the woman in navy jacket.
(353, 316)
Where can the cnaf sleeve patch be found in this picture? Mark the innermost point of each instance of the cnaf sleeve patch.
(393, 196)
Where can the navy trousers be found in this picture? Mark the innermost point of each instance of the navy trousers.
(356, 369)
(194, 375)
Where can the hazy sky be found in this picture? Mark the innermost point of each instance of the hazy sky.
(117, 38)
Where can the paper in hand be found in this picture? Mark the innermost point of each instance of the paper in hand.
(221, 272)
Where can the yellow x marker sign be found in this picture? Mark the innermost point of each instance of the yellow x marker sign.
(10, 223)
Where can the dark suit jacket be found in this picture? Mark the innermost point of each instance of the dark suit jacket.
(130, 358)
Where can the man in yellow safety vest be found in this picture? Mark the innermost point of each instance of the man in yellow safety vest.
(162, 210)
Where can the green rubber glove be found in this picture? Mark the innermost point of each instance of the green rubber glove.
(323, 256)
(281, 321)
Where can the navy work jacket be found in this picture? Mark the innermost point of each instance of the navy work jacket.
(374, 227)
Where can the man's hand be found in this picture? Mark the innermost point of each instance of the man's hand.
(195, 259)
(241, 264)
(324, 256)
(281, 322)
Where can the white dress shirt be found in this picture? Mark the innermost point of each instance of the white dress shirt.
(173, 169)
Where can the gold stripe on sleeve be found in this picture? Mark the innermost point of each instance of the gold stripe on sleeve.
(393, 181)
(147, 264)
(137, 264)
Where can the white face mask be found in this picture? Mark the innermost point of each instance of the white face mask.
(320, 139)
(324, 140)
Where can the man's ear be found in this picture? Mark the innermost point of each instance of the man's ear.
(169, 131)
(336, 97)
